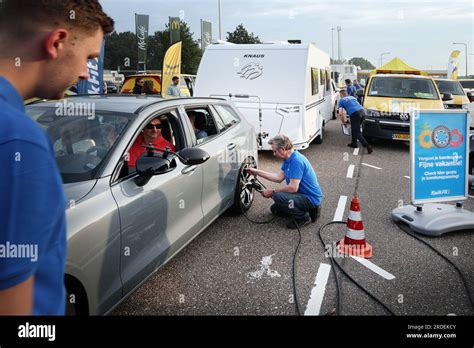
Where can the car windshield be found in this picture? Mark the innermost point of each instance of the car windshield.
(395, 87)
(81, 144)
(467, 84)
(452, 87)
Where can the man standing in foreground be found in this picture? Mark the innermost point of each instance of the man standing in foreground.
(355, 113)
(301, 197)
(44, 49)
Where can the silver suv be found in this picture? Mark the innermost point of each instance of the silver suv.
(124, 221)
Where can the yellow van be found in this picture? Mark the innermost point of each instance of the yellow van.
(186, 83)
(390, 99)
(453, 87)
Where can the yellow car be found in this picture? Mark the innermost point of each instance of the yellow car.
(390, 99)
(453, 87)
(186, 83)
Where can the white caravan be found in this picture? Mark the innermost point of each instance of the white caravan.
(280, 88)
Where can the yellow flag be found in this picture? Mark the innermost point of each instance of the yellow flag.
(171, 67)
(453, 65)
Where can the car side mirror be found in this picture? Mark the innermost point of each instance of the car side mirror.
(147, 166)
(470, 96)
(193, 156)
(360, 93)
(447, 97)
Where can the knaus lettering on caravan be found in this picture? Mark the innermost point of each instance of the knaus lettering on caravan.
(292, 82)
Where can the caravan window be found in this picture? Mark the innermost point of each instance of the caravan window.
(328, 80)
(314, 81)
(321, 72)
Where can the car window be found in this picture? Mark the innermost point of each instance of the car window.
(452, 87)
(81, 144)
(467, 83)
(205, 126)
(228, 115)
(395, 87)
(170, 132)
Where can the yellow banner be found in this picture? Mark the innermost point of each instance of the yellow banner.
(453, 65)
(171, 67)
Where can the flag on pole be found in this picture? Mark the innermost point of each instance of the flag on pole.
(206, 34)
(171, 67)
(175, 29)
(95, 83)
(141, 30)
(453, 65)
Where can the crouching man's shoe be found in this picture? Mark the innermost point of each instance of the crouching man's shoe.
(301, 222)
(315, 213)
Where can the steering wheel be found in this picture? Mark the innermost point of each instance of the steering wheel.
(101, 151)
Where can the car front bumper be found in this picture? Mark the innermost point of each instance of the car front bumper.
(386, 129)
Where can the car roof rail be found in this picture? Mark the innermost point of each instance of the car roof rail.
(143, 107)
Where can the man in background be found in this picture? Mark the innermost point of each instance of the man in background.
(355, 117)
(173, 89)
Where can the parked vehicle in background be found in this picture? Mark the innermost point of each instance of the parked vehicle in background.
(125, 222)
(335, 97)
(341, 72)
(186, 83)
(390, 99)
(130, 80)
(468, 86)
(453, 87)
(111, 87)
(290, 82)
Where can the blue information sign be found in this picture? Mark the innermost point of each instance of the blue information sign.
(439, 149)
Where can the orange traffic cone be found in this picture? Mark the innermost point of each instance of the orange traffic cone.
(354, 242)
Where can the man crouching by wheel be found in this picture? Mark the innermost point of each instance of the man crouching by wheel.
(300, 198)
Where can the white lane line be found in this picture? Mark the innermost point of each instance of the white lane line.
(356, 151)
(341, 207)
(350, 171)
(317, 293)
(371, 166)
(373, 267)
(406, 176)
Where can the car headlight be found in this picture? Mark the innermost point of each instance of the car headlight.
(372, 113)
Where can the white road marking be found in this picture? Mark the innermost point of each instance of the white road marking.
(350, 171)
(371, 166)
(265, 268)
(341, 207)
(317, 293)
(373, 267)
(406, 176)
(356, 151)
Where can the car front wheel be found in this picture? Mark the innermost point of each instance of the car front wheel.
(244, 192)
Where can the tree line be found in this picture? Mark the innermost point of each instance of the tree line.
(121, 49)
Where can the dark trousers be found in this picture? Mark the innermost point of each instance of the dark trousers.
(295, 205)
(356, 120)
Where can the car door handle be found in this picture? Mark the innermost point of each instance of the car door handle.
(189, 169)
(231, 146)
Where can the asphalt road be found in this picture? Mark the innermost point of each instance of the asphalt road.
(236, 267)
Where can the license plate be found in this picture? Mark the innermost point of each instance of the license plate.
(401, 136)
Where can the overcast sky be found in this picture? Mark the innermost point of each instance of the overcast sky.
(419, 32)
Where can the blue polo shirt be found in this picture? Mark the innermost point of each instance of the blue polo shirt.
(351, 90)
(350, 104)
(297, 166)
(32, 207)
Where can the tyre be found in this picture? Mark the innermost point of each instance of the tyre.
(244, 194)
(319, 138)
